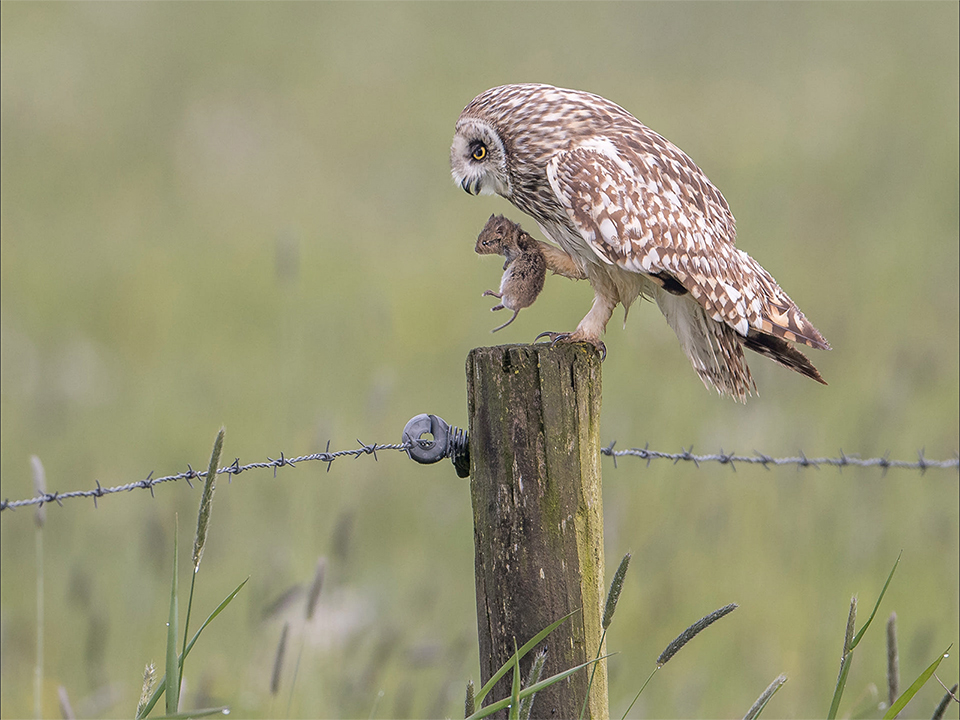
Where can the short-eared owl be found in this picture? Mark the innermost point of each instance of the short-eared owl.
(632, 213)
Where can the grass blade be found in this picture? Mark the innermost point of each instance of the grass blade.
(915, 687)
(220, 608)
(841, 684)
(162, 684)
(754, 712)
(859, 635)
(851, 640)
(845, 659)
(203, 712)
(515, 687)
(536, 670)
(609, 608)
(172, 684)
(533, 689)
(527, 647)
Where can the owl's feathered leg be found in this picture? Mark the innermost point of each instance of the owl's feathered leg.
(560, 263)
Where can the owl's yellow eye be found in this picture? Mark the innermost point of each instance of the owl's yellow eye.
(480, 152)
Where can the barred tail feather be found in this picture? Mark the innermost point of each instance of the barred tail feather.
(780, 315)
(783, 353)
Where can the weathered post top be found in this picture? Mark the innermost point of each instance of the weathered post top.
(538, 514)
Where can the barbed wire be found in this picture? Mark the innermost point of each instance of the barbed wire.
(411, 447)
(922, 463)
(149, 482)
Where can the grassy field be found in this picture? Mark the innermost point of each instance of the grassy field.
(242, 214)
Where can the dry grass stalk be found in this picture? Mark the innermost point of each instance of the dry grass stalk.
(278, 660)
(313, 597)
(764, 698)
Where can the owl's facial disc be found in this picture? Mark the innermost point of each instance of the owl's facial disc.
(477, 159)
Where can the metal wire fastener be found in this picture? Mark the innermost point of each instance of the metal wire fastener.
(448, 441)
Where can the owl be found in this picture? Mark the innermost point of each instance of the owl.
(633, 214)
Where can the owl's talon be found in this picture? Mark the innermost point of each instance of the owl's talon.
(556, 337)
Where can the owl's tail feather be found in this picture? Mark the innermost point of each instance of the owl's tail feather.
(714, 349)
(785, 320)
(780, 351)
(781, 316)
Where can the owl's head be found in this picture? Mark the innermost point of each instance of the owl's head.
(506, 135)
(478, 158)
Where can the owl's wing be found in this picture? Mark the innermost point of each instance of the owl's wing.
(657, 214)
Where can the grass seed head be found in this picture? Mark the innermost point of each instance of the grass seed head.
(692, 631)
(206, 501)
(149, 678)
(613, 595)
(533, 677)
(469, 707)
(851, 624)
(893, 659)
(40, 486)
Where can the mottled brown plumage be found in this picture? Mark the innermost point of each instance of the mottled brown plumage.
(524, 268)
(634, 214)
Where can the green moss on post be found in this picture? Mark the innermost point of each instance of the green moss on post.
(538, 512)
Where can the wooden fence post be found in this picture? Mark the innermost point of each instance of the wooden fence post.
(534, 431)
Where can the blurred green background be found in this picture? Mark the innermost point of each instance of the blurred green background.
(242, 214)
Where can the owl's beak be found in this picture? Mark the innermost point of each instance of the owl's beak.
(471, 188)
